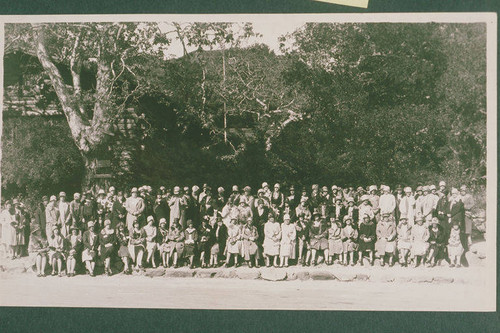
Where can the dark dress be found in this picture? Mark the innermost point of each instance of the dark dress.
(118, 213)
(437, 241)
(205, 240)
(368, 231)
(122, 237)
(318, 237)
(107, 242)
(191, 237)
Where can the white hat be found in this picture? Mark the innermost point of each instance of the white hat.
(101, 191)
(177, 189)
(372, 188)
(90, 224)
(195, 188)
(112, 188)
(235, 188)
(76, 195)
(387, 188)
(62, 194)
(150, 218)
(463, 188)
(264, 184)
(220, 189)
(134, 189)
(334, 187)
(425, 188)
(163, 220)
(432, 187)
(53, 198)
(442, 183)
(286, 217)
(454, 190)
(276, 185)
(247, 188)
(364, 197)
(407, 189)
(107, 222)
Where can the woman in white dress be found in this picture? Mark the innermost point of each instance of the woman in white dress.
(287, 244)
(233, 245)
(272, 238)
(8, 217)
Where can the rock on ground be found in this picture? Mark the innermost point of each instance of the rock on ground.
(321, 275)
(272, 274)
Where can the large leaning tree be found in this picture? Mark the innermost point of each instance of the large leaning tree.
(124, 59)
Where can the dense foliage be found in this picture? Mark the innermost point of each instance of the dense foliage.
(345, 103)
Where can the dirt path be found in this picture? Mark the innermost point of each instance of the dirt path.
(145, 292)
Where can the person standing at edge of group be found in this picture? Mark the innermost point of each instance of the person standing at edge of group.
(135, 207)
(468, 202)
(456, 214)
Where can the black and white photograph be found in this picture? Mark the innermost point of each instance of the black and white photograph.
(264, 161)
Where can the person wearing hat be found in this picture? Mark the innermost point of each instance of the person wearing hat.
(434, 195)
(338, 210)
(177, 204)
(292, 198)
(407, 206)
(367, 238)
(419, 237)
(287, 243)
(365, 208)
(456, 212)
(220, 201)
(190, 242)
(468, 201)
(277, 198)
(335, 247)
(250, 249)
(441, 212)
(57, 253)
(160, 208)
(398, 196)
(235, 195)
(123, 250)
(352, 211)
(40, 246)
(19, 226)
(135, 207)
(318, 238)
(455, 248)
(107, 243)
(244, 212)
(263, 198)
(195, 193)
(303, 210)
(39, 215)
(51, 216)
(90, 240)
(137, 239)
(246, 197)
(436, 243)
(204, 192)
(88, 211)
(8, 220)
(442, 189)
(150, 231)
(75, 209)
(427, 206)
(111, 195)
(386, 239)
(387, 201)
(233, 245)
(229, 211)
(419, 201)
(349, 237)
(74, 253)
(266, 190)
(218, 239)
(204, 233)
(403, 240)
(64, 220)
(374, 201)
(272, 238)
(302, 229)
(118, 211)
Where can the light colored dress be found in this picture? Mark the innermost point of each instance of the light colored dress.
(386, 236)
(150, 237)
(249, 237)
(419, 236)
(404, 236)
(233, 245)
(455, 247)
(272, 237)
(335, 240)
(8, 231)
(287, 244)
(349, 235)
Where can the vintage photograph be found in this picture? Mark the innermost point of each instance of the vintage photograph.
(301, 162)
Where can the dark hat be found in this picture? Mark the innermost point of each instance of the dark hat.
(292, 188)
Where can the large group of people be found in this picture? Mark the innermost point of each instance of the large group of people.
(203, 228)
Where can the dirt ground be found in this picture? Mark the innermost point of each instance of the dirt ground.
(217, 293)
